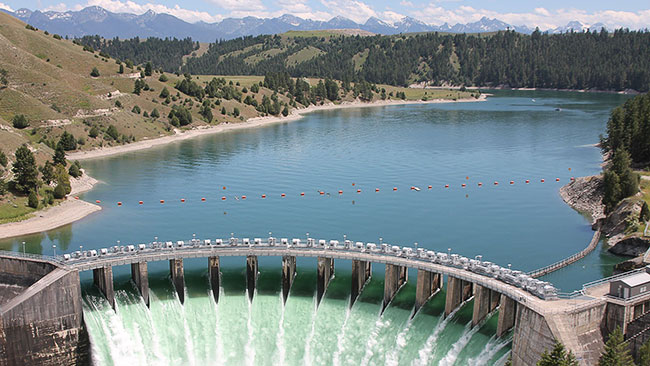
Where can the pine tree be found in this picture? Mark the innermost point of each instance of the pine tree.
(628, 179)
(644, 354)
(148, 68)
(121, 70)
(616, 352)
(32, 199)
(95, 72)
(25, 171)
(47, 172)
(59, 156)
(645, 212)
(557, 357)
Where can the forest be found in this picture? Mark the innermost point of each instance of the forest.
(603, 60)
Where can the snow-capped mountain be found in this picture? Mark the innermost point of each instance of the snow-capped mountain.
(96, 20)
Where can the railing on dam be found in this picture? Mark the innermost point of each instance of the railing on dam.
(485, 273)
(569, 260)
(39, 257)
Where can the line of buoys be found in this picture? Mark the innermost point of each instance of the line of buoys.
(413, 188)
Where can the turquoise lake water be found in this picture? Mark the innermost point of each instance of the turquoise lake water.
(513, 136)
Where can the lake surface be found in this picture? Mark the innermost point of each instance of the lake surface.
(513, 136)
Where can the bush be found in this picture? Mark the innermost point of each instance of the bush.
(118, 104)
(59, 191)
(183, 116)
(111, 131)
(95, 72)
(32, 200)
(74, 171)
(163, 78)
(645, 212)
(20, 121)
(68, 141)
(155, 114)
(3, 159)
(3, 187)
(136, 109)
(94, 132)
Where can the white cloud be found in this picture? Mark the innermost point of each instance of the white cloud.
(541, 17)
(6, 7)
(354, 10)
(406, 3)
(57, 7)
(240, 5)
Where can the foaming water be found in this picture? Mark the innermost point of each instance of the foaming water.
(265, 331)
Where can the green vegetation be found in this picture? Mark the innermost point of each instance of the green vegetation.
(629, 128)
(644, 354)
(616, 351)
(165, 53)
(557, 357)
(94, 72)
(180, 116)
(25, 172)
(20, 121)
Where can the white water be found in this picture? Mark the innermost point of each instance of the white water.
(265, 331)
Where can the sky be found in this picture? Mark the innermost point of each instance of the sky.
(544, 14)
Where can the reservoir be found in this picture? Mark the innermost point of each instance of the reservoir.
(513, 136)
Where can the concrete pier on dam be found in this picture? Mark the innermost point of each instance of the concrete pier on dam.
(532, 309)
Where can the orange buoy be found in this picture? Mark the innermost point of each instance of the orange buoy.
(527, 181)
(243, 197)
(352, 184)
(430, 187)
(182, 199)
(302, 193)
(340, 192)
(480, 184)
(512, 182)
(467, 177)
(140, 202)
(446, 185)
(224, 187)
(572, 179)
(283, 195)
(76, 197)
(463, 185)
(557, 179)
(394, 188)
(321, 192)
(496, 183)
(202, 198)
(358, 191)
(263, 196)
(569, 169)
(98, 201)
(542, 180)
(162, 201)
(223, 198)
(376, 189)
(119, 203)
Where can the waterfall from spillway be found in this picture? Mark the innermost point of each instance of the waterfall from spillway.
(267, 331)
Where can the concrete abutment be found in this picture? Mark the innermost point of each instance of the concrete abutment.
(507, 315)
(395, 277)
(103, 279)
(251, 275)
(140, 276)
(325, 273)
(428, 283)
(361, 272)
(215, 277)
(178, 277)
(288, 274)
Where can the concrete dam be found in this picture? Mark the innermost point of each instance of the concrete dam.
(41, 318)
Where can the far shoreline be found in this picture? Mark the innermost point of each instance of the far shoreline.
(254, 122)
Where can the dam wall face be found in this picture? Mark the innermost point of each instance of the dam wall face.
(43, 325)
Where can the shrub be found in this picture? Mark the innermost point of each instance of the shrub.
(20, 121)
(32, 200)
(68, 141)
(95, 72)
(94, 132)
(74, 171)
(111, 131)
(3, 159)
(155, 114)
(163, 78)
(59, 191)
(136, 109)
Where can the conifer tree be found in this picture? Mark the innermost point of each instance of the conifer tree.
(25, 171)
(557, 357)
(616, 352)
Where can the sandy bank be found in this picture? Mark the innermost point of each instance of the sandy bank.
(296, 114)
(53, 217)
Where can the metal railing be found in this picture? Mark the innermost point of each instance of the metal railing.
(40, 257)
(569, 260)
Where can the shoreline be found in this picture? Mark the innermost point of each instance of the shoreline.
(254, 122)
(66, 212)
(71, 209)
(503, 87)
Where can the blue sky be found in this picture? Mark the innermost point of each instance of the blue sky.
(545, 14)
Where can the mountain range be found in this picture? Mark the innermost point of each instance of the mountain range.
(96, 20)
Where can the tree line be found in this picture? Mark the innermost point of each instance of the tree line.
(628, 145)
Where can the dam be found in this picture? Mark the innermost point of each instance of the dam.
(533, 309)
